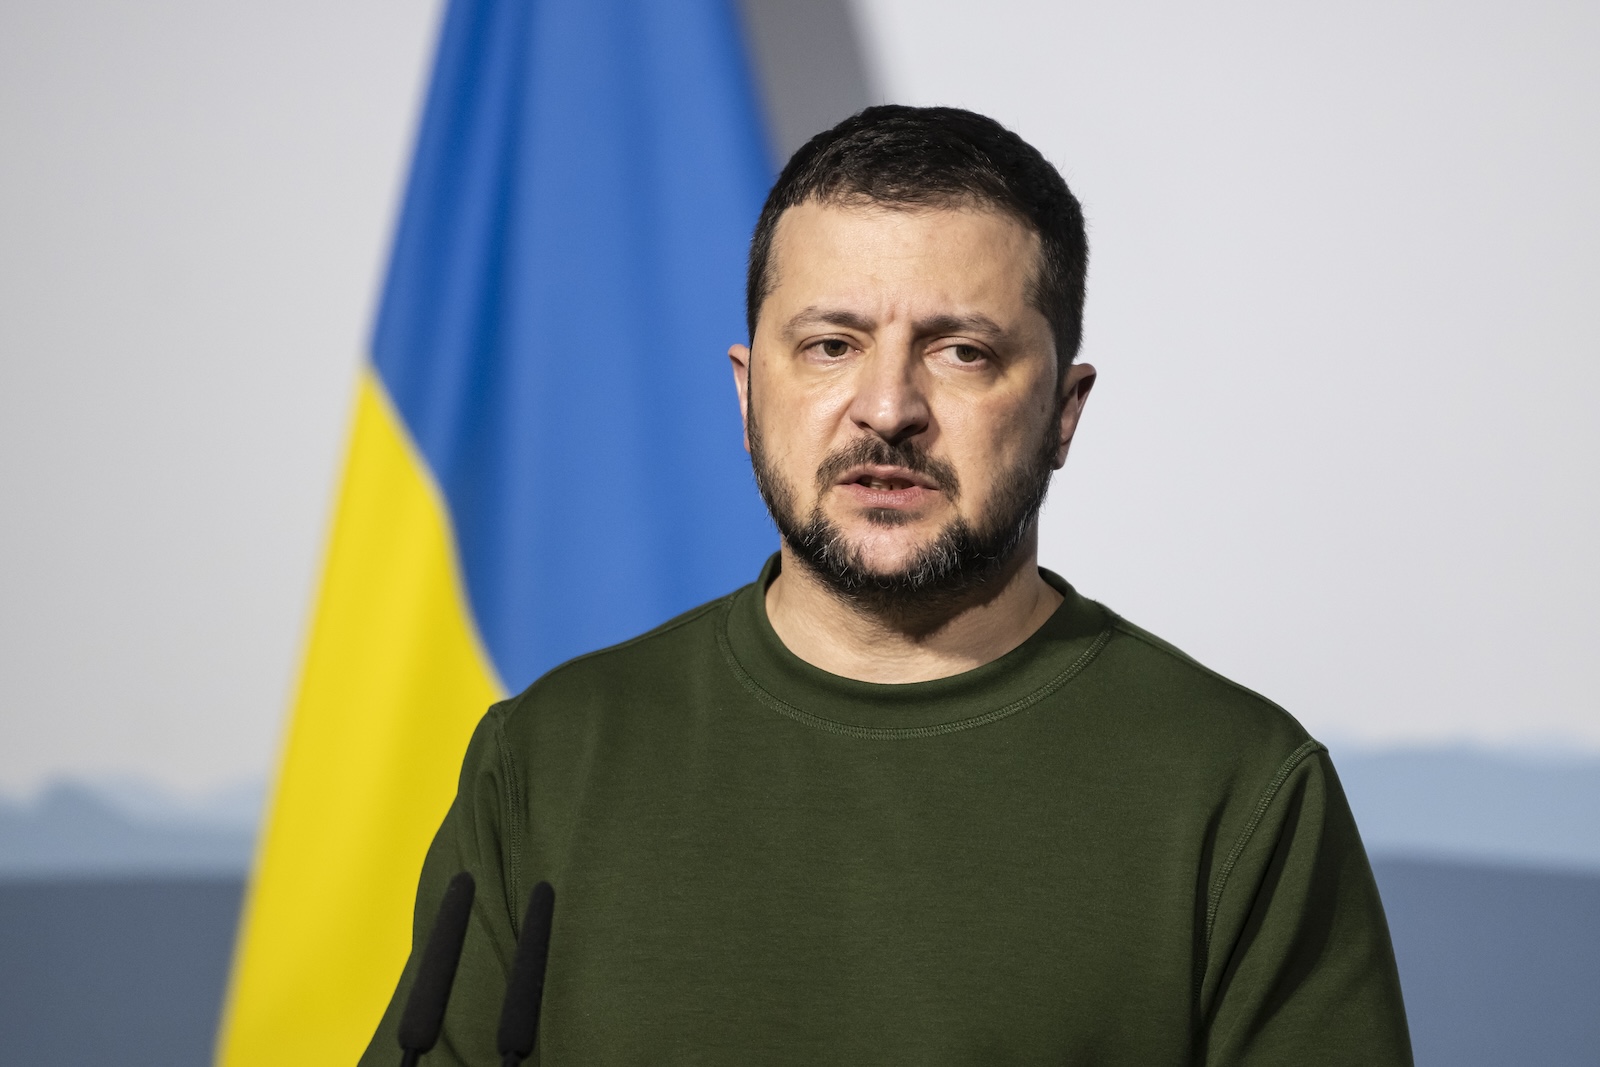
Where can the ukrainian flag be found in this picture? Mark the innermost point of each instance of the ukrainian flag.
(545, 458)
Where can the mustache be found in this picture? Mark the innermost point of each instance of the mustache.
(875, 451)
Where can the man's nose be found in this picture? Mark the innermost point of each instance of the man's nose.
(890, 398)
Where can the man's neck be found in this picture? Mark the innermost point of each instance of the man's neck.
(830, 632)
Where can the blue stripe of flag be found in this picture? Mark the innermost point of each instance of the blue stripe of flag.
(565, 281)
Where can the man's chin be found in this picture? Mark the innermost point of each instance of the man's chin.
(881, 552)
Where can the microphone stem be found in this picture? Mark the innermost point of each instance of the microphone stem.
(409, 1057)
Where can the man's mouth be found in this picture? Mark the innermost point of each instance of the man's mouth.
(891, 479)
(882, 483)
(887, 486)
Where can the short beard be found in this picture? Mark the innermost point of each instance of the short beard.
(949, 572)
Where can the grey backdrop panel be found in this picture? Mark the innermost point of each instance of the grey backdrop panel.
(810, 64)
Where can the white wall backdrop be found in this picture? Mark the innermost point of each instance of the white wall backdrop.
(1343, 447)
(195, 201)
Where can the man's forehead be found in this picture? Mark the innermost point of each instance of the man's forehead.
(857, 248)
(815, 220)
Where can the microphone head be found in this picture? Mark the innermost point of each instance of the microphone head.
(519, 1018)
(430, 991)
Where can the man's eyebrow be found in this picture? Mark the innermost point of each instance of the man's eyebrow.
(816, 315)
(974, 323)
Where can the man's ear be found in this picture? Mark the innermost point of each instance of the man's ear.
(1075, 386)
(739, 356)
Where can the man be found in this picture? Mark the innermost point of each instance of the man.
(909, 799)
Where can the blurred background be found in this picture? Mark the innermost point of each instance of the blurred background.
(1343, 446)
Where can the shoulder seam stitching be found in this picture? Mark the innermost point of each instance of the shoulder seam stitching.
(512, 804)
(1268, 795)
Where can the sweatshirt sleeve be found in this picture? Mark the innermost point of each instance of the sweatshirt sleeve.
(476, 837)
(1298, 965)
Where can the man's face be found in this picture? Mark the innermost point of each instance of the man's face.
(902, 405)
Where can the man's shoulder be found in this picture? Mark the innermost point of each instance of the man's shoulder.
(696, 626)
(1173, 699)
(652, 664)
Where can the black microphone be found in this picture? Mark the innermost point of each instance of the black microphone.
(519, 1018)
(424, 1014)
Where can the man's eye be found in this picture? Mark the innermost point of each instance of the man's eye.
(834, 348)
(967, 353)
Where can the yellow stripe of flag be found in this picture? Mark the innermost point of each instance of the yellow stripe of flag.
(394, 672)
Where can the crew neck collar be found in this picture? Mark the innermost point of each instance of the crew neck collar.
(1046, 661)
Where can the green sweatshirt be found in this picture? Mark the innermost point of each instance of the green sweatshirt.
(1092, 850)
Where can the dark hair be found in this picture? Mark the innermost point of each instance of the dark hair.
(938, 156)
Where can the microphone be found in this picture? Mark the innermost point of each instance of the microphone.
(424, 1014)
(519, 1018)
